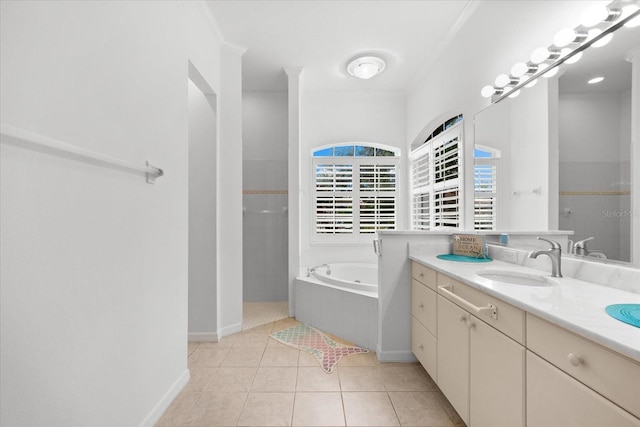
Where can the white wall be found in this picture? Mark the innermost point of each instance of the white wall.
(203, 295)
(493, 38)
(265, 148)
(335, 117)
(93, 307)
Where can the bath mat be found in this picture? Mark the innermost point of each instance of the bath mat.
(627, 313)
(325, 350)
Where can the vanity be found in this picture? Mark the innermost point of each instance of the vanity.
(524, 353)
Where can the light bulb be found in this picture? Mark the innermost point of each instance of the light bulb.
(502, 80)
(564, 37)
(595, 80)
(575, 58)
(519, 69)
(487, 91)
(603, 41)
(514, 94)
(540, 55)
(552, 72)
(594, 15)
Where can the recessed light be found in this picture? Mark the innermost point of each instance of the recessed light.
(595, 80)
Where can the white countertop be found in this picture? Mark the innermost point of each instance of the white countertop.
(576, 305)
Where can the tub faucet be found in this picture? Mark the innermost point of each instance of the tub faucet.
(312, 269)
(555, 253)
(580, 248)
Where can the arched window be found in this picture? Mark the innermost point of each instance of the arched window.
(354, 190)
(485, 172)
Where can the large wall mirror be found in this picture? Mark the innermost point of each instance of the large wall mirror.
(558, 156)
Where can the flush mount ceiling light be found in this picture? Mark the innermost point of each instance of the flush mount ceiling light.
(595, 80)
(365, 66)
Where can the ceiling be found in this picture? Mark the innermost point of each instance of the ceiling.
(321, 35)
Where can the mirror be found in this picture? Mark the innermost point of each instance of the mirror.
(559, 155)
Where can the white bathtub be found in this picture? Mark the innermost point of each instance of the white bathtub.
(343, 302)
(358, 277)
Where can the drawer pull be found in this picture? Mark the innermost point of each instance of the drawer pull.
(489, 307)
(575, 360)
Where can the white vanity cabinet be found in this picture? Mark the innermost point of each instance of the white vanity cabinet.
(480, 369)
(572, 381)
(424, 317)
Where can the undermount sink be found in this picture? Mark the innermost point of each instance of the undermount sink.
(517, 278)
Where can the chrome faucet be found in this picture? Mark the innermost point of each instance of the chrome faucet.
(555, 253)
(312, 269)
(580, 248)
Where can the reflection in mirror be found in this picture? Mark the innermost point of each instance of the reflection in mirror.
(563, 153)
(595, 149)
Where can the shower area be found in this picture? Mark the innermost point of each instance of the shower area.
(265, 210)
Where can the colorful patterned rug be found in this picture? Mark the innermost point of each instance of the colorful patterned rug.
(325, 350)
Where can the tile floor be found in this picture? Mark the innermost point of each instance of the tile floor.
(249, 379)
(260, 313)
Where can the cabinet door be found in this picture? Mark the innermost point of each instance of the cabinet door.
(453, 355)
(554, 399)
(496, 378)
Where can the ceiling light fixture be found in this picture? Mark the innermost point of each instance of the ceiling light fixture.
(595, 80)
(365, 66)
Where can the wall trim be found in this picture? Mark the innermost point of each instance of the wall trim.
(396, 356)
(231, 329)
(204, 337)
(158, 410)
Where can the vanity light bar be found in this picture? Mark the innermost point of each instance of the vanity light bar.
(545, 61)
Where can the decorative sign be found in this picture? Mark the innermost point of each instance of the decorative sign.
(468, 245)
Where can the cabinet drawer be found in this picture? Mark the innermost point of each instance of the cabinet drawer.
(610, 374)
(423, 345)
(424, 275)
(554, 399)
(510, 320)
(423, 306)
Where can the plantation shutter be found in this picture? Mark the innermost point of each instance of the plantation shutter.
(377, 197)
(436, 177)
(355, 194)
(334, 200)
(485, 193)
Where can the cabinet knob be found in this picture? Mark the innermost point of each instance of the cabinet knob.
(421, 347)
(575, 360)
(421, 274)
(463, 318)
(421, 305)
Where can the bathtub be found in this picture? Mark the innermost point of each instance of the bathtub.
(342, 300)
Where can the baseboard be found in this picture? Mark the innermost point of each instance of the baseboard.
(203, 337)
(232, 329)
(156, 413)
(396, 356)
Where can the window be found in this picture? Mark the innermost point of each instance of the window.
(436, 174)
(485, 188)
(355, 191)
